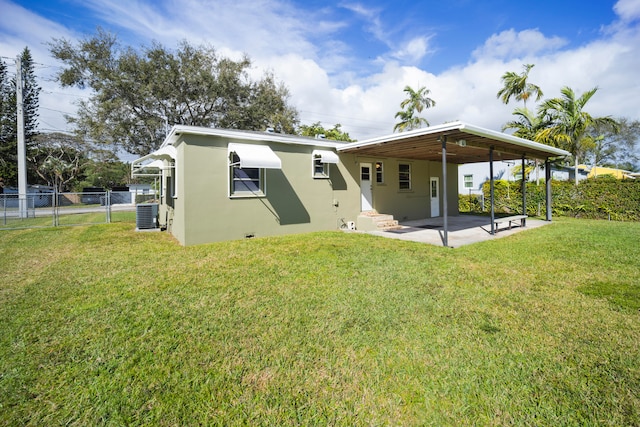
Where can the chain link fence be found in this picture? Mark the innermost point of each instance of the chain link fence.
(54, 209)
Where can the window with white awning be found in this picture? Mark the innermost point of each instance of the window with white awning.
(247, 165)
(321, 161)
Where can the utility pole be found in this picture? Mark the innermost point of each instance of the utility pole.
(22, 148)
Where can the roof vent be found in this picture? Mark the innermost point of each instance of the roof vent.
(321, 136)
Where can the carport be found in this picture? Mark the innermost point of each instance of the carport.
(461, 143)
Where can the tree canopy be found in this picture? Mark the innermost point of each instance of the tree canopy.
(138, 93)
(315, 129)
(570, 123)
(517, 86)
(9, 119)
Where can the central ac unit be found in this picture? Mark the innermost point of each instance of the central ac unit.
(146, 216)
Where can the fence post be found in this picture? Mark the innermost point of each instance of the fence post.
(54, 203)
(108, 203)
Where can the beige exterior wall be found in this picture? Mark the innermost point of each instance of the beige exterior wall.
(414, 203)
(295, 202)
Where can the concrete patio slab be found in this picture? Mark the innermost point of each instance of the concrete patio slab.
(463, 230)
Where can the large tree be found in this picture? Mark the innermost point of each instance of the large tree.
(137, 93)
(9, 119)
(570, 124)
(415, 102)
(517, 86)
(59, 160)
(616, 146)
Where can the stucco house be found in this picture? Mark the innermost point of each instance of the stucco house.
(220, 184)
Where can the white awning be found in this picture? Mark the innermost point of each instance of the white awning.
(255, 156)
(158, 164)
(326, 156)
(166, 151)
(138, 166)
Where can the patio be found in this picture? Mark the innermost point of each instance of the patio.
(463, 230)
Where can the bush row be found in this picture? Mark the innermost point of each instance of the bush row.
(600, 198)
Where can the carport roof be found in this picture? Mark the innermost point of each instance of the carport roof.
(465, 144)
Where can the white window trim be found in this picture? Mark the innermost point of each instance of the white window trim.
(262, 183)
(324, 158)
(325, 169)
(465, 182)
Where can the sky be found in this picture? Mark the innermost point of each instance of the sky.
(348, 62)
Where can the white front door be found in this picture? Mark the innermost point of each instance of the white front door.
(366, 196)
(435, 196)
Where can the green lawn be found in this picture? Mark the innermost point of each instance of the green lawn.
(100, 325)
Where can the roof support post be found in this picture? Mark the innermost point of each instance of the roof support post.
(524, 193)
(547, 178)
(445, 210)
(491, 192)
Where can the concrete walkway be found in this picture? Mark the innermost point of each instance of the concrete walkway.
(463, 230)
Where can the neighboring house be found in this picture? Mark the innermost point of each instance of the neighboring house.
(138, 191)
(226, 184)
(596, 171)
(471, 176)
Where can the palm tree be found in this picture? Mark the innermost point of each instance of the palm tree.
(516, 85)
(527, 124)
(570, 123)
(416, 101)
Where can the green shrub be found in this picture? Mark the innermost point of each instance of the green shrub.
(599, 198)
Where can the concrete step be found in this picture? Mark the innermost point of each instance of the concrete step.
(392, 223)
(369, 221)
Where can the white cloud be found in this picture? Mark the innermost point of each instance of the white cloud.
(627, 10)
(414, 50)
(510, 44)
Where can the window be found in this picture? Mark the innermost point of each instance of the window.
(245, 181)
(320, 169)
(404, 176)
(321, 161)
(379, 173)
(468, 181)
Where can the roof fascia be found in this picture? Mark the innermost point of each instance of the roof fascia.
(178, 130)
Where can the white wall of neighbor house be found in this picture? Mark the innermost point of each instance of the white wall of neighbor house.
(471, 176)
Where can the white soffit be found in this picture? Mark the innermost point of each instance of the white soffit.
(255, 156)
(326, 156)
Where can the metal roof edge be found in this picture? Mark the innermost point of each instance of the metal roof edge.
(402, 135)
(177, 130)
(462, 127)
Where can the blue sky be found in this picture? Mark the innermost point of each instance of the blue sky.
(348, 61)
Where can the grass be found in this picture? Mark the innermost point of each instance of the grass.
(101, 325)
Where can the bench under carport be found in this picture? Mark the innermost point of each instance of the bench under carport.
(509, 220)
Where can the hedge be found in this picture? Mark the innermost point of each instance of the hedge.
(599, 198)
